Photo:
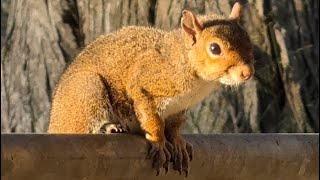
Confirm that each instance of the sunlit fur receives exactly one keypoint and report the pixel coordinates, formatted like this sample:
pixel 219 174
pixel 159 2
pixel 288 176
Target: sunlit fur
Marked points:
pixel 236 48
pixel 145 78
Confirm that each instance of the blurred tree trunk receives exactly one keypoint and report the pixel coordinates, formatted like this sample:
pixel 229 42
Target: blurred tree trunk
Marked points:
pixel 42 37
pixel 4 17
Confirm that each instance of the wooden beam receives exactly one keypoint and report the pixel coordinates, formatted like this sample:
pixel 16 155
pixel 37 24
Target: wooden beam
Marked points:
pixel 122 156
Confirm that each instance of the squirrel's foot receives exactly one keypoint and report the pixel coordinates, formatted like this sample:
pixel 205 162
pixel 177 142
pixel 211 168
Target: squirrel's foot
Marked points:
pixel 109 128
pixel 160 154
pixel 182 154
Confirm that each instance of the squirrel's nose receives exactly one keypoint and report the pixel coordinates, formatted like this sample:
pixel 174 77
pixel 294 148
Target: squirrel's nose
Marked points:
pixel 246 73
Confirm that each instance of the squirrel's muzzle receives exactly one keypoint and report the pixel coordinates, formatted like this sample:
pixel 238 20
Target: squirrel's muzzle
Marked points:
pixel 245 72
pixel 237 74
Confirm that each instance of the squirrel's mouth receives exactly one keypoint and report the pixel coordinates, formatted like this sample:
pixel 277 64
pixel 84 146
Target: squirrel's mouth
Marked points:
pixel 237 75
pixel 229 81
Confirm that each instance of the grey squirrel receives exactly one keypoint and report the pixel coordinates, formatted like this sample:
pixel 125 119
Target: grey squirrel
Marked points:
pixel 141 80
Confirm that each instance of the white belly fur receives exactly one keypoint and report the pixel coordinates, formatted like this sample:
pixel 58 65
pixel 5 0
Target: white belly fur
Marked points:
pixel 194 96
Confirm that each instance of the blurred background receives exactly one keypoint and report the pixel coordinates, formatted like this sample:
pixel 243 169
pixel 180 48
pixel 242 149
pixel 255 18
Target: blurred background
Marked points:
pixel 40 38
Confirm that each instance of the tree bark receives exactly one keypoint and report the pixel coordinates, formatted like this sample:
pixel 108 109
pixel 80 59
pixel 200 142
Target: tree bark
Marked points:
pixel 39 43
pixel 42 37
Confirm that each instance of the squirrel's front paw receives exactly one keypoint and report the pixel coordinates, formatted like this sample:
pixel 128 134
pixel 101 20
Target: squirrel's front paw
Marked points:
pixel 160 154
pixel 182 154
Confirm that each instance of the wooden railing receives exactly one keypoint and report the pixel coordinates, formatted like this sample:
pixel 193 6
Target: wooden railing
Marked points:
pixel 122 156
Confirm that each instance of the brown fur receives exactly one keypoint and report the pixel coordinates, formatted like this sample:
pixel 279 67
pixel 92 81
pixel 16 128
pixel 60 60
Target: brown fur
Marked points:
pixel 143 77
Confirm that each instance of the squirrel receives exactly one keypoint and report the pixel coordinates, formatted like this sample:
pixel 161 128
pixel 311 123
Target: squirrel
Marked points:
pixel 141 80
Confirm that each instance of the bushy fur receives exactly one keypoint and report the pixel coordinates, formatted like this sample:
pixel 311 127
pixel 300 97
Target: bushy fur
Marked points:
pixel 144 78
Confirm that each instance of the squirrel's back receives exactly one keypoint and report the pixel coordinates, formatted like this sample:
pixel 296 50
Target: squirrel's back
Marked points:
pixel 171 70
pixel 118 51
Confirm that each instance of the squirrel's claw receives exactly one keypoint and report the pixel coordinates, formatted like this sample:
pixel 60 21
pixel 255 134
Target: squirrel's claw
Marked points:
pixel 177 159
pixel 186 173
pixel 158 172
pixel 168 156
pixel 160 154
pixel 152 152
pixel 166 167
pixel 189 149
pixel 170 148
pixel 183 153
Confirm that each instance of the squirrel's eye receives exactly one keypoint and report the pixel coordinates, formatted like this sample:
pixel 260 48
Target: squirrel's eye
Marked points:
pixel 215 49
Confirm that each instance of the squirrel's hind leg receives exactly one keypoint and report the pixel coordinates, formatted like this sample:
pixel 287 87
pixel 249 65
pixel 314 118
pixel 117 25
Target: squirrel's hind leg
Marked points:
pixel 109 128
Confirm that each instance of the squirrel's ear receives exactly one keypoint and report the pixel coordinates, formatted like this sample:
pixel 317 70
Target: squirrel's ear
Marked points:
pixel 236 11
pixel 190 24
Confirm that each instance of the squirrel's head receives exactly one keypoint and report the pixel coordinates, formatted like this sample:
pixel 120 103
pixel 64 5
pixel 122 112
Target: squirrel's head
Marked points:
pixel 219 48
